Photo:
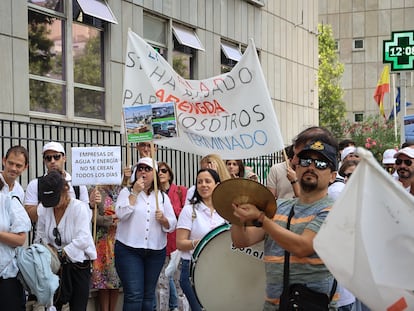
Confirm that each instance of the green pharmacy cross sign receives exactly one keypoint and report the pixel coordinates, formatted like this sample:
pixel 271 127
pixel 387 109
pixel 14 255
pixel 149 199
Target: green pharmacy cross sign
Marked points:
pixel 399 51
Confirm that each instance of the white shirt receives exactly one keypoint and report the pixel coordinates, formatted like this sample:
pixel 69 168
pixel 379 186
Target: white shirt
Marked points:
pixel 17 188
pixel 190 194
pixel 335 189
pixel 74 229
pixel 204 222
pixel 137 226
pixel 13 218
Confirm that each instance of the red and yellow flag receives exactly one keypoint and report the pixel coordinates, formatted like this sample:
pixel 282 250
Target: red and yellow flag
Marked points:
pixel 383 87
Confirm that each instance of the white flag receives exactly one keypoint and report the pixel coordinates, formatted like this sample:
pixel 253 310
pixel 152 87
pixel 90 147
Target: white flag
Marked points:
pixel 367 240
pixel 230 114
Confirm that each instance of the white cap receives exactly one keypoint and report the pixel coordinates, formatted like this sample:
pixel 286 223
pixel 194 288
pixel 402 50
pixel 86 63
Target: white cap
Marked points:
pixel 408 151
pixel 146 161
pixel 54 146
pixel 388 156
pixel 347 151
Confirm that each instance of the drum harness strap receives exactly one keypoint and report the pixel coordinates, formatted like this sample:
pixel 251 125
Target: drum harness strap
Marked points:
pixel 286 264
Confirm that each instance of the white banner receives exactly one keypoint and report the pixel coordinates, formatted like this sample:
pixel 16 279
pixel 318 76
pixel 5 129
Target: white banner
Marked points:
pixel 230 114
pixel 367 240
pixel 96 166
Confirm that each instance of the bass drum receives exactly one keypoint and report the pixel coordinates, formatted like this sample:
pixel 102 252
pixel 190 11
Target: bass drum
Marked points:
pixel 228 278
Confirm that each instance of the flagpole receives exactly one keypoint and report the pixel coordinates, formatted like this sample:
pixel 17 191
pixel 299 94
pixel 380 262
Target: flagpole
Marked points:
pixel 394 107
pixel 403 100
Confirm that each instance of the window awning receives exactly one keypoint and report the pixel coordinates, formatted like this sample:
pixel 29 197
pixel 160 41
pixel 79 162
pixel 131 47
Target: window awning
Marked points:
pixel 187 37
pixel 231 51
pixel 97 8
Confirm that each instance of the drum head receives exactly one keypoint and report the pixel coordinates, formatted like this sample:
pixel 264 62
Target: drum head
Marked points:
pixel 226 278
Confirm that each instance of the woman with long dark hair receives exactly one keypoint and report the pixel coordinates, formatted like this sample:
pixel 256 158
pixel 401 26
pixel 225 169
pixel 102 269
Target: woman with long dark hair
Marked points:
pixel 195 221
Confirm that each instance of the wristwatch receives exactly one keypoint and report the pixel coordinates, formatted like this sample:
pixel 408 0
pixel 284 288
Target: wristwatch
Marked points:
pixel 258 222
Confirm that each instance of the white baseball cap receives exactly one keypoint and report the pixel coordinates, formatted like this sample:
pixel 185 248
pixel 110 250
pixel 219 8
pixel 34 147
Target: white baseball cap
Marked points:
pixel 146 161
pixel 54 146
pixel 388 156
pixel 348 150
pixel 408 151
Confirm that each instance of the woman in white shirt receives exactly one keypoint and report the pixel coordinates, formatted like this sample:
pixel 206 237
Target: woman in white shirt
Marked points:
pixel 195 221
pixel 64 224
pixel 141 236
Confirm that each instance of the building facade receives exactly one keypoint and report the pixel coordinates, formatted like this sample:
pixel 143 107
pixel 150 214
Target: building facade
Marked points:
pixel 360 27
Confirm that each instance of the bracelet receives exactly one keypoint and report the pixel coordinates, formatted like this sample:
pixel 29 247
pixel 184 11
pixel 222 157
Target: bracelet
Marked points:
pixel 293 181
pixel 193 244
pixel 134 194
pixel 258 222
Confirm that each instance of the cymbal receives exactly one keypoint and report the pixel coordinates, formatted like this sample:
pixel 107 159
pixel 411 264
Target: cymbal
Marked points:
pixel 240 190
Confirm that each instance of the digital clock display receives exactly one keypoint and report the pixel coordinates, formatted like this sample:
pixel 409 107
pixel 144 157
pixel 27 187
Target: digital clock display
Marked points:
pixel 399 51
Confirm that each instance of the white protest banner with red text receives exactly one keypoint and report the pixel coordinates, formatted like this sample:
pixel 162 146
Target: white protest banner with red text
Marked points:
pixel 230 114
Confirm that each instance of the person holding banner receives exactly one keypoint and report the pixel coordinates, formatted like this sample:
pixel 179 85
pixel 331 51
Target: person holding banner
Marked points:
pixel 104 275
pixel 195 221
pixel 145 217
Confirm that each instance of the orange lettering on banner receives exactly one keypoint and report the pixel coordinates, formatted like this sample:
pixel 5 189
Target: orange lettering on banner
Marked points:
pixel 205 107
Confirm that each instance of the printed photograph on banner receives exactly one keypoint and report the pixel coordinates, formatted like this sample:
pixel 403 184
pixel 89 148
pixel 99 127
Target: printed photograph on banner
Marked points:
pixel 164 123
pixel 409 128
pixel 138 123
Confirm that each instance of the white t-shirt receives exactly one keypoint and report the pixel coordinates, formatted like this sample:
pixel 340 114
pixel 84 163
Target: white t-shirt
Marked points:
pixel 204 222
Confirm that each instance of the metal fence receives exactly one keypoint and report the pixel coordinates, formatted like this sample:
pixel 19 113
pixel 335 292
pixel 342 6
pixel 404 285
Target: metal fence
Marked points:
pixel 34 135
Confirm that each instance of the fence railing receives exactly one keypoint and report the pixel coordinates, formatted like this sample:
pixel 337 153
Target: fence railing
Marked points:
pixel 34 135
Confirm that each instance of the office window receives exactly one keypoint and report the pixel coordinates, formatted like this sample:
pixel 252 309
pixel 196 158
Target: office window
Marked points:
pixel 66 73
pixel 155 33
pixel 186 43
pixel 358 117
pixel 358 44
pixel 230 56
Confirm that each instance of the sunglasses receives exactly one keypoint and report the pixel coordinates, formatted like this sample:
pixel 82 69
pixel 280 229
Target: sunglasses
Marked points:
pixel 163 170
pixel 56 157
pixel 407 162
pixel 319 164
pixel 144 145
pixel 144 168
pixel 347 175
pixel 56 234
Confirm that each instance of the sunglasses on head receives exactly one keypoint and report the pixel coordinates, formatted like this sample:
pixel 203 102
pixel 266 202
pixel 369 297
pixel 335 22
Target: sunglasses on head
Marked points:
pixel 56 234
pixel 144 168
pixel 56 157
pixel 319 164
pixel 407 162
pixel 163 170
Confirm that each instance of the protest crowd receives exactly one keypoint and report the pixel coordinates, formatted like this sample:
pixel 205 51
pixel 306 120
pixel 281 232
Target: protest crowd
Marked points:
pixel 148 229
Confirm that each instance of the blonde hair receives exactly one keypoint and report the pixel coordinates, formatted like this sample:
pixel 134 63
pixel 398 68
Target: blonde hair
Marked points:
pixel 221 165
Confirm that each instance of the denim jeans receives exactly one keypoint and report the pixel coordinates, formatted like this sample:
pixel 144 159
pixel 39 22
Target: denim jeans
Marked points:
pixel 347 307
pixel 173 301
pixel 187 287
pixel 138 270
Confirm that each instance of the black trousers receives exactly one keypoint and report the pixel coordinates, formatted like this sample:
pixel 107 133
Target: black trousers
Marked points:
pixel 74 286
pixel 12 294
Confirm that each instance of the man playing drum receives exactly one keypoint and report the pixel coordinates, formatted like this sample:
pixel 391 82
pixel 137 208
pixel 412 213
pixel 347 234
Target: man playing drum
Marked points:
pixel 316 168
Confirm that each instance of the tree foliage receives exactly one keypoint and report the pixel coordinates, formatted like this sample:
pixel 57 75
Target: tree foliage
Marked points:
pixel 331 106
